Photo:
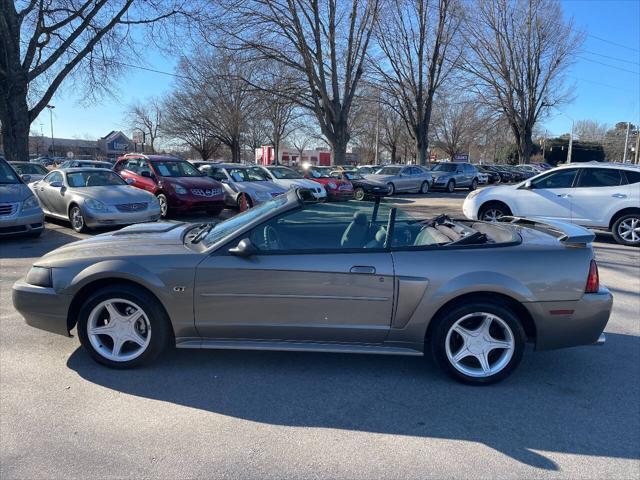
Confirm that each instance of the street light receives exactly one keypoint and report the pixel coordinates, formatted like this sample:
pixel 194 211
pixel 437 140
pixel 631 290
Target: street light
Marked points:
pixel 53 143
pixel 570 151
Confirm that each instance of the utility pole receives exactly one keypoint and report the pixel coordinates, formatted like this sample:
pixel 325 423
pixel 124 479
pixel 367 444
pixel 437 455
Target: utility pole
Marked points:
pixel 637 145
pixel 53 143
pixel 570 144
pixel 626 143
pixel 377 152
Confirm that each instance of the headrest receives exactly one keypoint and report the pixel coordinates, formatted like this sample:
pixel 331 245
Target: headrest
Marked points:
pixel 359 218
pixel 381 235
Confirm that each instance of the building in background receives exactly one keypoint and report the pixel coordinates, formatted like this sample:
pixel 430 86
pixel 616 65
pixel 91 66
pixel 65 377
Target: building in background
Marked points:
pixel 265 155
pixel 111 146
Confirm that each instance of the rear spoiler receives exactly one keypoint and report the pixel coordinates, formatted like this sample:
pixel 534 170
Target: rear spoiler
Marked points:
pixel 567 233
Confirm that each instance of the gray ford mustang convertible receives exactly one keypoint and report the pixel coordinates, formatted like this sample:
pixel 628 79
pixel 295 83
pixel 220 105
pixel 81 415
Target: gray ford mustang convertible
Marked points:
pixel 292 274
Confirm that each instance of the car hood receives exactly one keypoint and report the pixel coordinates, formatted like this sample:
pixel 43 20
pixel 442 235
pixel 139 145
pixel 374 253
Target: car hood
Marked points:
pixel 299 182
pixel 14 192
pixel 141 240
pixel 255 187
pixel 373 177
pixel 114 195
pixel 369 181
pixel 440 174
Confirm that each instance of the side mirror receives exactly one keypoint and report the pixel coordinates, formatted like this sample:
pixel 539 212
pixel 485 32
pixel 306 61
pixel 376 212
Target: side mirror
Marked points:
pixel 527 185
pixel 25 178
pixel 146 174
pixel 245 248
pixel 458 171
pixel 130 181
pixel 56 184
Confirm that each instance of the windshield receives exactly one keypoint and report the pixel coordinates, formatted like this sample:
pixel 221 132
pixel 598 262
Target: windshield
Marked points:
pixel 252 174
pixel 29 169
pixel 283 173
pixel 388 171
pixel 445 167
pixel 173 168
pixel 227 227
pixel 316 173
pixel 353 175
pixel 93 179
pixel 7 175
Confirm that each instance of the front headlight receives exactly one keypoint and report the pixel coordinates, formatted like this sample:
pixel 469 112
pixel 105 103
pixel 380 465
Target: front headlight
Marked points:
pixel 29 203
pixel 40 277
pixel 332 186
pixel 474 193
pixel 94 204
pixel 180 190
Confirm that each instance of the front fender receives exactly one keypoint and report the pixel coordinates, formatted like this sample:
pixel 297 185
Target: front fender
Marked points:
pixel 115 269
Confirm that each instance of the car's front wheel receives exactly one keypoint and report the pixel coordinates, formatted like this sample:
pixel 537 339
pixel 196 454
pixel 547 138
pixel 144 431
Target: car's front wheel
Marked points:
pixel 391 188
pixel 626 230
pixel 478 343
pixel 123 326
pixel 359 193
pixel 77 219
pixel 492 212
pixel 424 188
pixel 451 186
pixel 474 184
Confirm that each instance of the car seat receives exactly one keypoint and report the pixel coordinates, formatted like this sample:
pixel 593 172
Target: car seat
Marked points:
pixel 356 233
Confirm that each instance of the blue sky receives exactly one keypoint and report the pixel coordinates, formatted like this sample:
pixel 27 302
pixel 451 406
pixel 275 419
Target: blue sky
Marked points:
pixel 605 78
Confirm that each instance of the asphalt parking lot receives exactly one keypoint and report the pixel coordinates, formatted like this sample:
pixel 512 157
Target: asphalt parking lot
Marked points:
pixel 571 413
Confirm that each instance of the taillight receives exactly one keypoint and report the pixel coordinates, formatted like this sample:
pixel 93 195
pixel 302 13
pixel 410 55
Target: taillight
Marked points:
pixel 593 279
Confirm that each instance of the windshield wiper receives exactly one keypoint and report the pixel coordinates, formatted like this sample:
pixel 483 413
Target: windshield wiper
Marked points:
pixel 205 228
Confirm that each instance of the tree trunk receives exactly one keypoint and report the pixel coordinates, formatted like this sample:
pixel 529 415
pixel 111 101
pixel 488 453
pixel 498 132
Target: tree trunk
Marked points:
pixel 394 150
pixel 339 152
pixel 525 146
pixel 235 150
pixel 14 115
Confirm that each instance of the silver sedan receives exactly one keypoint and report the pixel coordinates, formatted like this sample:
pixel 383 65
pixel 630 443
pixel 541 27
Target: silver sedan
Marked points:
pixel 94 197
pixel 403 178
pixel 245 186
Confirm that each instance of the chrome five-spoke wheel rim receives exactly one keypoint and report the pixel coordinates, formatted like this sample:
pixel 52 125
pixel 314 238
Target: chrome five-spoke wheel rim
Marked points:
pixel 479 344
pixel 77 222
pixel 118 330
pixel 492 215
pixel 163 205
pixel 629 229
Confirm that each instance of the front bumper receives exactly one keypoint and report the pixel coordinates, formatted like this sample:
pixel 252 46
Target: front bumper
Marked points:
pixel 104 219
pixel 339 195
pixel 41 307
pixel 569 324
pixel 197 203
pixel 22 223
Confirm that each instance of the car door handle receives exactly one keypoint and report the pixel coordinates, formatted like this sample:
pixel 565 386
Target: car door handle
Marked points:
pixel 564 195
pixel 619 195
pixel 363 269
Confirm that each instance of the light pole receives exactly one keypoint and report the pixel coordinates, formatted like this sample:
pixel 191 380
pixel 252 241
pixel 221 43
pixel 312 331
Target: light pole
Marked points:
pixel 53 144
pixel 570 151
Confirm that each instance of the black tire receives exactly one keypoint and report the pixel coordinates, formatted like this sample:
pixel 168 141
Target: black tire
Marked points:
pixel 488 210
pixel 359 193
pixel 624 229
pixel 77 219
pixel 474 185
pixel 244 202
pixel 164 205
pixel 161 332
pixel 451 186
pixel 424 188
pixel 392 188
pixel 445 322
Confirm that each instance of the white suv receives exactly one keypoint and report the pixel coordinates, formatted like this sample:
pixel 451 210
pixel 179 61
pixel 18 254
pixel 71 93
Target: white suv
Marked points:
pixel 598 195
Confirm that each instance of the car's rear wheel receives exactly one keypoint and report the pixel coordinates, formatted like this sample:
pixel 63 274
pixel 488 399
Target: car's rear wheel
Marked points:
pixel 123 327
pixel 244 202
pixel 474 184
pixel 478 343
pixel 451 186
pixel 626 230
pixel 359 193
pixel 77 219
pixel 164 205
pixel 391 188
pixel 492 212
pixel 424 188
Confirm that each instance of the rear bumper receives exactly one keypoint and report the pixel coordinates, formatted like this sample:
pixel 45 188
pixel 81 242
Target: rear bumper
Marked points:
pixel 41 307
pixel 569 324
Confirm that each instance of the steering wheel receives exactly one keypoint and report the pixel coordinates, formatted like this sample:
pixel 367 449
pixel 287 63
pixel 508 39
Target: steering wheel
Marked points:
pixel 271 238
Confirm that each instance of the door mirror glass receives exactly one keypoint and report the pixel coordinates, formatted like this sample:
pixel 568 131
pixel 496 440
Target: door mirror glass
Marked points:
pixel 245 248
pixel 56 184
pixel 146 174
pixel 130 181
pixel 25 178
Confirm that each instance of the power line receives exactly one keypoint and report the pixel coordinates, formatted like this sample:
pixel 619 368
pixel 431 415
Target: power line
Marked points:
pixel 613 43
pixel 602 84
pixel 632 62
pixel 610 66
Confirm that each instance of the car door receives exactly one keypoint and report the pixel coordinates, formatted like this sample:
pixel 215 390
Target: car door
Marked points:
pixel 599 193
pixel 405 179
pixel 548 196
pixel 47 193
pixel 319 291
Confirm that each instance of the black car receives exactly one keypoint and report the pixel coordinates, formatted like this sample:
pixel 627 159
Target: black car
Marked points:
pixel 362 188
pixel 494 177
pixel 505 175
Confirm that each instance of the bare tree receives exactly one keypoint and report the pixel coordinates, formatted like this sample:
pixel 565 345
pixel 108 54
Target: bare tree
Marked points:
pixel 456 124
pixel 256 132
pixel 417 40
pixel 324 43
pixel 394 133
pixel 590 130
pixel 42 42
pixel 146 117
pixel 182 122
pixel 520 50
pixel 278 110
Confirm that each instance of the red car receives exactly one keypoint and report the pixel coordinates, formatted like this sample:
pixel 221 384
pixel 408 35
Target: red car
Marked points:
pixel 337 189
pixel 178 185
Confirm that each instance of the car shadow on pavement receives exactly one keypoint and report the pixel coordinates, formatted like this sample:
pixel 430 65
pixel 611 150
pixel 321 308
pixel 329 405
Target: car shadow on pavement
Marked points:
pixel 25 247
pixel 577 401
